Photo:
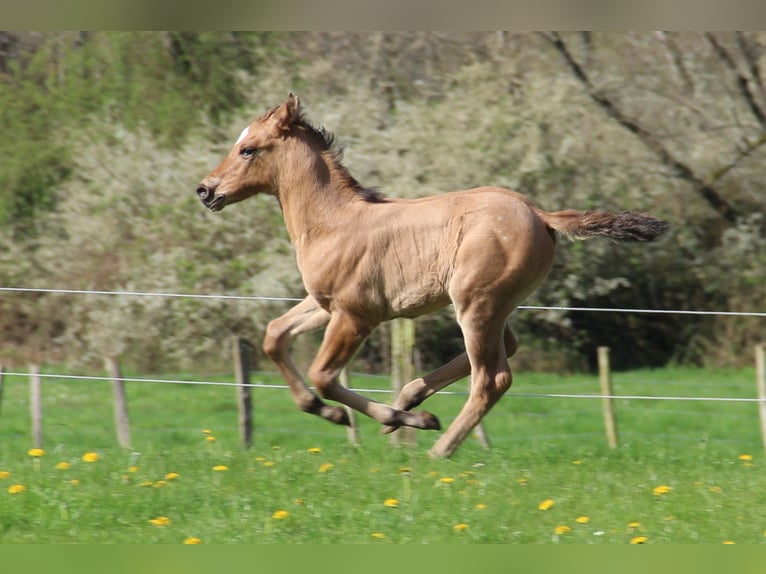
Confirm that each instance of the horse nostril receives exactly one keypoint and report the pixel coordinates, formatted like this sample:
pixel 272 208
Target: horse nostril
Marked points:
pixel 204 192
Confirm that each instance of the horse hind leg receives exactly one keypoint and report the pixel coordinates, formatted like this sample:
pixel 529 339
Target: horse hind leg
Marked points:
pixel 418 390
pixel 486 346
pixel 304 317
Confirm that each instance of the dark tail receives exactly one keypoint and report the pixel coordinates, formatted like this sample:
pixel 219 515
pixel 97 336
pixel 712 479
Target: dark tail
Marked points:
pixel 625 226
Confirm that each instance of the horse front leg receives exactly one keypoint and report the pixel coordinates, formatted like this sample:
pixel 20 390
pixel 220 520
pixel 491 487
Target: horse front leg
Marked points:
pixel 304 317
pixel 342 339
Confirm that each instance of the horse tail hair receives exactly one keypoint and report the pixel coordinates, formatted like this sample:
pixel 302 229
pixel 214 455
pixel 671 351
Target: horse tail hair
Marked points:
pixel 624 226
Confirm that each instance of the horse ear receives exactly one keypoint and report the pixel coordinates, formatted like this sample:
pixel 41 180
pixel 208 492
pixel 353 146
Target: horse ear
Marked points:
pixel 288 112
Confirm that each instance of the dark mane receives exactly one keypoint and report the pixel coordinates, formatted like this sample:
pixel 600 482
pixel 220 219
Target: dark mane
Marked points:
pixel 326 141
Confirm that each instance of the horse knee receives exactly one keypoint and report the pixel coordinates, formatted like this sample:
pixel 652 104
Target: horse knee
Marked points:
pixel 273 341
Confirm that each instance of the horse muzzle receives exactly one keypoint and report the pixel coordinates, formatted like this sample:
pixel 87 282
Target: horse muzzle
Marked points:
pixel 209 198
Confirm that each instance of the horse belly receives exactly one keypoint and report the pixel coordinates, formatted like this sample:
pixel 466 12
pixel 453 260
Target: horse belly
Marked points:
pixel 419 283
pixel 416 302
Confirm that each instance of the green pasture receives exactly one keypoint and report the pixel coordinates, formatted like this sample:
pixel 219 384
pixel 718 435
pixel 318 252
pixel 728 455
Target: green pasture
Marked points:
pixel 685 471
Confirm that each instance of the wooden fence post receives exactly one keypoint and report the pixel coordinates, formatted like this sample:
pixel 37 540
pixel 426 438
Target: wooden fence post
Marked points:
pixel 36 405
pixel 402 369
pixel 760 379
pixel 121 419
pixel 353 429
pixel 244 399
pixel 605 378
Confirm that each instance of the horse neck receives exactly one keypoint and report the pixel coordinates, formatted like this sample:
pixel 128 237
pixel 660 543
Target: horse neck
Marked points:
pixel 314 192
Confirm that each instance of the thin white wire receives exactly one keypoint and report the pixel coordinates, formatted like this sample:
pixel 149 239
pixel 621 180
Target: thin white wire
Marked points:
pixel 270 298
pixel 520 395
pixel 145 294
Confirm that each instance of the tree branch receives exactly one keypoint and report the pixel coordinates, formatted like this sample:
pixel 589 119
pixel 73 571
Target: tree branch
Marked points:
pixel 742 81
pixel 751 57
pixel 680 169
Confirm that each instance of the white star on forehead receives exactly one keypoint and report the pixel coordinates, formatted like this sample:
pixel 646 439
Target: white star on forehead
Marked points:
pixel 243 135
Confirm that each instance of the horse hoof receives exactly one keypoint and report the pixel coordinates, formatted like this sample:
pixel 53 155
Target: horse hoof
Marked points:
pixel 422 420
pixel 430 421
pixel 334 414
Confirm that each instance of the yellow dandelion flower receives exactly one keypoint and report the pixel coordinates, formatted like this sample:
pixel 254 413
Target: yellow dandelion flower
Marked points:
pixel 207 431
pixel 582 520
pixel 16 488
pixel 63 465
pixel 4 474
pixel 562 529
pixel 405 470
pixel 639 540
pixel 160 483
pixel 269 463
pixel 146 483
pixel 90 457
pixel 577 462
pixel 74 482
pixel 378 535
pixel 280 515
pixel 220 468
pixel 522 481
pixel 192 540
pixel 746 457
pixel 172 476
pixel 315 450
pixel 715 488
pixel 160 521
pixel 662 489
pixel 210 438
pixel 728 542
pixel 447 479
pixel 546 504
pixel 260 458
pixel 36 452
pixel 481 506
pixel 326 466
pixel 391 502
pixel 634 524
pixel 460 527
pixel 132 469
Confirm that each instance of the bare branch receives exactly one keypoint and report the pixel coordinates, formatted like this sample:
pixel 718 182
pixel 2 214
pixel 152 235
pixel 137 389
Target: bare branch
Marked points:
pixel 676 56
pixel 680 169
pixel 751 57
pixel 742 81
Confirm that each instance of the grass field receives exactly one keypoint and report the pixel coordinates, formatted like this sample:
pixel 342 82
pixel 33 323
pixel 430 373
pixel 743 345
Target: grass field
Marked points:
pixel 685 472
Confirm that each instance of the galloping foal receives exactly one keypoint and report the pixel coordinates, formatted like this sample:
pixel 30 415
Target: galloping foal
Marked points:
pixel 366 259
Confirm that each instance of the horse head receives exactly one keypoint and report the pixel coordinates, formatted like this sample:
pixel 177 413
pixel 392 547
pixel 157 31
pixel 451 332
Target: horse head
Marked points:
pixel 252 164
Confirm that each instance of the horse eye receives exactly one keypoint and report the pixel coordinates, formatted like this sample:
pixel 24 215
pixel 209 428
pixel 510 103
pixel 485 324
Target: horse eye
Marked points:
pixel 248 151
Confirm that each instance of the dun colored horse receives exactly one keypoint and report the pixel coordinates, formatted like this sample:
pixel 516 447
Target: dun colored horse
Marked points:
pixel 365 259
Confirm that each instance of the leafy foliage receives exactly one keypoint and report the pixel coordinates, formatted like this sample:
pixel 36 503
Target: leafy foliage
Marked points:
pixel 108 133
